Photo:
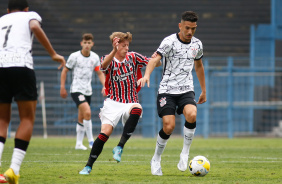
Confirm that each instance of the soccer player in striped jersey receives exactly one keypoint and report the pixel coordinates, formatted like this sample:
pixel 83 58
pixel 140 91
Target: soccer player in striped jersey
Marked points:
pixel 82 63
pixel 122 69
pixel 181 51
pixel 17 77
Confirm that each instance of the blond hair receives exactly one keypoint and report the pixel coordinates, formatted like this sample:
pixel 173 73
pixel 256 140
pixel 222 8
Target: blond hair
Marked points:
pixel 122 36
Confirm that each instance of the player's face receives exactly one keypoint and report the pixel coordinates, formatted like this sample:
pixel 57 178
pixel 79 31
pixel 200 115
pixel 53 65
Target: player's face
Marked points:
pixel 187 30
pixel 86 45
pixel 123 48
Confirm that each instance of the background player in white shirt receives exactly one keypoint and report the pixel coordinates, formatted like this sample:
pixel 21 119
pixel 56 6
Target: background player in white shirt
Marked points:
pixel 82 63
pixel 17 78
pixel 181 51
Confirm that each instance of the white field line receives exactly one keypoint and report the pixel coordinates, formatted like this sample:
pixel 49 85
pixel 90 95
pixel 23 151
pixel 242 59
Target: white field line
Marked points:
pixel 163 161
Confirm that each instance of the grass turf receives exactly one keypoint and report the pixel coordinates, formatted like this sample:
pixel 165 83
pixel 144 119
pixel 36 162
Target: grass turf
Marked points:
pixel 237 161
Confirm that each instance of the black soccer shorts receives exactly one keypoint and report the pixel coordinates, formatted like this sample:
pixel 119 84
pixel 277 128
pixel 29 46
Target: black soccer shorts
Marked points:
pixel 18 83
pixel 80 98
pixel 167 103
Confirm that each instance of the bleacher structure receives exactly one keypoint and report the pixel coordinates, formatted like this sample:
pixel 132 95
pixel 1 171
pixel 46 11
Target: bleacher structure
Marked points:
pixel 235 103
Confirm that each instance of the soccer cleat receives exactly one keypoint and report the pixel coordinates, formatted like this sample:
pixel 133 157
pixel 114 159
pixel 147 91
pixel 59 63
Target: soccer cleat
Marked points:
pixel 10 176
pixel 80 147
pixel 117 151
pixel 91 144
pixel 156 168
pixel 2 179
pixel 86 170
pixel 183 162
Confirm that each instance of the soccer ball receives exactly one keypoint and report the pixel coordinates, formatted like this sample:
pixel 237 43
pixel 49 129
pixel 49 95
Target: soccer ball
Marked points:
pixel 199 166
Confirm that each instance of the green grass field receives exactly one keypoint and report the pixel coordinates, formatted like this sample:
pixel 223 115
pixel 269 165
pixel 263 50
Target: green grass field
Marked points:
pixel 238 161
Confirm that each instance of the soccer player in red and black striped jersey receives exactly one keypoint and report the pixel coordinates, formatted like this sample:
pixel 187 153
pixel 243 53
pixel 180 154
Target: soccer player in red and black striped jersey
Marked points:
pixel 122 70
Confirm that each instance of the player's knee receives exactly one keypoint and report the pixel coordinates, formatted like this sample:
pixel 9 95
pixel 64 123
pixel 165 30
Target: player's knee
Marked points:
pixel 137 106
pixel 168 129
pixel 87 115
pixel 191 116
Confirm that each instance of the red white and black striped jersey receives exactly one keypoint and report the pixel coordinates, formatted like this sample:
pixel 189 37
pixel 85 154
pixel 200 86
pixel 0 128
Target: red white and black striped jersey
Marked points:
pixel 121 77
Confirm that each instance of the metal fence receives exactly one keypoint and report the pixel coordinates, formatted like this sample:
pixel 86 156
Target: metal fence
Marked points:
pixel 242 101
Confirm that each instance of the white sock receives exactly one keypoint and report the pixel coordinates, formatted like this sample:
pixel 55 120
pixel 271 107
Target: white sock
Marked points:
pixel 1 151
pixel 88 129
pixel 17 159
pixel 79 134
pixel 160 146
pixel 188 138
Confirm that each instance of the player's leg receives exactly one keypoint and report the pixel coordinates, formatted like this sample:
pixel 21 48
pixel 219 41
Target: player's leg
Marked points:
pixel 131 118
pixel 5 106
pixel 5 116
pixel 80 131
pixel 84 117
pixel 162 138
pixel 84 108
pixel 22 138
pixel 166 109
pixel 190 114
pixel 97 147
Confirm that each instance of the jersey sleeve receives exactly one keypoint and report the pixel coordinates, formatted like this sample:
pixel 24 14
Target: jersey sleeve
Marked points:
pixel 35 16
pixel 165 47
pixel 71 62
pixel 200 53
pixel 141 60
pixel 97 61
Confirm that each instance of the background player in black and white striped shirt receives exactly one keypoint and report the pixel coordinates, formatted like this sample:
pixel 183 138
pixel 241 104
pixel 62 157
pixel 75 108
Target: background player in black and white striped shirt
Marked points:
pixel 17 77
pixel 180 52
pixel 82 63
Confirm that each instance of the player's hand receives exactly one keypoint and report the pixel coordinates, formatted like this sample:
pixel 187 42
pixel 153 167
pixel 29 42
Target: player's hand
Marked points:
pixel 63 93
pixel 154 55
pixel 103 91
pixel 141 82
pixel 60 59
pixel 115 43
pixel 202 98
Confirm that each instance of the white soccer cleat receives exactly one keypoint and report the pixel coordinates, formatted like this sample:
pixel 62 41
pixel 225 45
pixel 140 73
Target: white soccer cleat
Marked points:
pixel 80 147
pixel 183 162
pixel 156 168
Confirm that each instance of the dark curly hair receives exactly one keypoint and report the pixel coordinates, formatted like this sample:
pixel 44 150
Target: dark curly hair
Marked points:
pixel 189 16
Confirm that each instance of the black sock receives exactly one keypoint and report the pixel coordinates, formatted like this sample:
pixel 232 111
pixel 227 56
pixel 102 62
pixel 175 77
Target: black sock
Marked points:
pixel 163 135
pixel 2 139
pixel 97 148
pixel 21 144
pixel 190 125
pixel 130 125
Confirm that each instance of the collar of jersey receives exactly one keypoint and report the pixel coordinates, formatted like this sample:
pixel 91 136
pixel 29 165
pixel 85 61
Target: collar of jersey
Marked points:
pixel 116 60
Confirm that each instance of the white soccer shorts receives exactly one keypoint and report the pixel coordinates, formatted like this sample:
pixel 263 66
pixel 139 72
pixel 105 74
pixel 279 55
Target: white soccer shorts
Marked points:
pixel 113 111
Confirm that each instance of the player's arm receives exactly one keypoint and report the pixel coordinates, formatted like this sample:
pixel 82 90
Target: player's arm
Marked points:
pixel 199 68
pixel 40 35
pixel 101 76
pixel 63 91
pixel 108 59
pixel 154 62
